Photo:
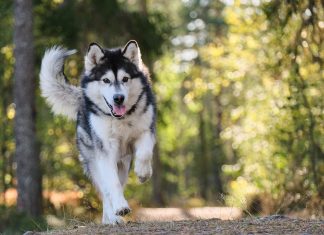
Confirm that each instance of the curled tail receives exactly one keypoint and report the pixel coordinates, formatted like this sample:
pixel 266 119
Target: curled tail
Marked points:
pixel 63 97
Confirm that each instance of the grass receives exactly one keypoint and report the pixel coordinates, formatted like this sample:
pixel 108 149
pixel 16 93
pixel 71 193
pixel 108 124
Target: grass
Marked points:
pixel 13 222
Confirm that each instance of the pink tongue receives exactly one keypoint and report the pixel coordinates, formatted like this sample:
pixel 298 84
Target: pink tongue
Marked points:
pixel 119 110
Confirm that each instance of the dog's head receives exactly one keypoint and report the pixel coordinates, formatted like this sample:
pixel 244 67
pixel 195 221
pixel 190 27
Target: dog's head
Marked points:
pixel 113 77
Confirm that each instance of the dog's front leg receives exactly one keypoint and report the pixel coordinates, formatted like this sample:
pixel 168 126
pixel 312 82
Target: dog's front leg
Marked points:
pixel 108 215
pixel 106 177
pixel 143 156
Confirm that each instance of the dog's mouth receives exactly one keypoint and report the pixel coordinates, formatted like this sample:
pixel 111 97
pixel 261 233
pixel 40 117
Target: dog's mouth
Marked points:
pixel 117 111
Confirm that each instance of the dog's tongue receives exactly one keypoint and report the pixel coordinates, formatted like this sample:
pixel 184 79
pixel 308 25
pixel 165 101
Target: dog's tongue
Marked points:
pixel 119 110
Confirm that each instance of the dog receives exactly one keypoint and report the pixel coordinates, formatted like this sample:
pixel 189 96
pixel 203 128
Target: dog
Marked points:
pixel 115 110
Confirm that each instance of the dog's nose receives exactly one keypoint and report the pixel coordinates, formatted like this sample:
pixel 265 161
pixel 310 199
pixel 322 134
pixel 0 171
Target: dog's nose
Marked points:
pixel 118 99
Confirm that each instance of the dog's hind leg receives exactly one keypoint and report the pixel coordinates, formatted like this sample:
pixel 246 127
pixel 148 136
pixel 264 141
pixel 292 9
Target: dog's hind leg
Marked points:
pixel 123 169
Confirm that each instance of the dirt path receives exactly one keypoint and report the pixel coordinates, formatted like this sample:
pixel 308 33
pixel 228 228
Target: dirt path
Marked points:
pixel 266 225
pixel 177 214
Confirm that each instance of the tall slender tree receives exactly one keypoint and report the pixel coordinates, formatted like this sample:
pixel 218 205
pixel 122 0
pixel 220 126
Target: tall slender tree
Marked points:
pixel 27 153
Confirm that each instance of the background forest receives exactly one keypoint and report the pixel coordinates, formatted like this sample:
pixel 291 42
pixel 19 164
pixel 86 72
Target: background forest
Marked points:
pixel 239 88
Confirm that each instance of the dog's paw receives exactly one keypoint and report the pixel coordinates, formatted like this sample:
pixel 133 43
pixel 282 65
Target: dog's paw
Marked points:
pixel 123 211
pixel 120 206
pixel 143 170
pixel 112 219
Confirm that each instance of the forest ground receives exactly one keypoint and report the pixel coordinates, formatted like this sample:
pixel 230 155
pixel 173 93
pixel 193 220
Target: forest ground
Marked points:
pixel 265 225
pixel 199 221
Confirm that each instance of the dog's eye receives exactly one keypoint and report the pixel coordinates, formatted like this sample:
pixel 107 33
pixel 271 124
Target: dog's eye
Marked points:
pixel 125 79
pixel 106 80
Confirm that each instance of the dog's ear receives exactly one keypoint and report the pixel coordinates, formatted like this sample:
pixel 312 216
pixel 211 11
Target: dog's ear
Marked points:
pixel 133 53
pixel 94 54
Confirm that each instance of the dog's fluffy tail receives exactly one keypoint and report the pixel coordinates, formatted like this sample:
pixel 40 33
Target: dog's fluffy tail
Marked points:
pixel 63 97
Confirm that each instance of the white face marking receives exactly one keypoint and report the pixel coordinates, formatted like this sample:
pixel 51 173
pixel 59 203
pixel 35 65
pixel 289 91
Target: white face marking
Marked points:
pixel 102 92
pixel 112 87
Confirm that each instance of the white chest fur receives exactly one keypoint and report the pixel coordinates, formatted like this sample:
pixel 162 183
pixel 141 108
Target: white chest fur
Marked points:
pixel 112 131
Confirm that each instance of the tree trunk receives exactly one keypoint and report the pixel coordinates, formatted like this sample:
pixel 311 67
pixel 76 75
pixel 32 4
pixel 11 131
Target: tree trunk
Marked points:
pixel 27 154
pixel 203 163
pixel 143 7
pixel 218 154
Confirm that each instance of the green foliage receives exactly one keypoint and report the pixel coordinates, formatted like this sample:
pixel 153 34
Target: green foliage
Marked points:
pixel 254 105
pixel 280 128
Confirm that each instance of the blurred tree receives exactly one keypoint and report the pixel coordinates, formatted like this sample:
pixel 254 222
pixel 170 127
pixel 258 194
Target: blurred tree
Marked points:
pixel 29 184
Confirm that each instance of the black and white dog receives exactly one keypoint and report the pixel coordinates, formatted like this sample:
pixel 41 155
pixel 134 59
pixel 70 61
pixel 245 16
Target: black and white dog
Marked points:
pixel 115 112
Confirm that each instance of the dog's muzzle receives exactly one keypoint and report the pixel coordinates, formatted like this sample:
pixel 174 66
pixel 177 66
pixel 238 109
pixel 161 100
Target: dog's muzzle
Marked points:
pixel 117 110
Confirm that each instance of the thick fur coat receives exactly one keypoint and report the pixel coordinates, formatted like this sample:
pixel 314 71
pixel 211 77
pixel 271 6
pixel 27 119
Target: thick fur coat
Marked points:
pixel 115 111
